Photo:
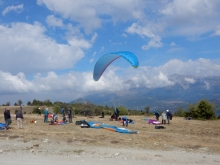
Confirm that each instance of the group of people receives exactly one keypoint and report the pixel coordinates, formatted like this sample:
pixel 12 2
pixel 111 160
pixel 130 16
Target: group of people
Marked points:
pixel 166 116
pixel 19 118
pixel 55 116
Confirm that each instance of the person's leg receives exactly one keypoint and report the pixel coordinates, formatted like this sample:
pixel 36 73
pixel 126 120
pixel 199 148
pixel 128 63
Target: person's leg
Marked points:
pixel 18 124
pixel 21 123
pixel 6 123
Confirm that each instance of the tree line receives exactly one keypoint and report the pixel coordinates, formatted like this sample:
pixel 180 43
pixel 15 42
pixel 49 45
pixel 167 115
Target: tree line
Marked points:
pixel 203 110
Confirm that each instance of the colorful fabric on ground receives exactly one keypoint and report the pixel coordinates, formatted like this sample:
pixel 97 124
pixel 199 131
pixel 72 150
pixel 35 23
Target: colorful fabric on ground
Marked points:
pixel 2 126
pixel 99 125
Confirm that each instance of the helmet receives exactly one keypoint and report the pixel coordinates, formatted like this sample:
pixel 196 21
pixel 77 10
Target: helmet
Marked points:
pixel 167 110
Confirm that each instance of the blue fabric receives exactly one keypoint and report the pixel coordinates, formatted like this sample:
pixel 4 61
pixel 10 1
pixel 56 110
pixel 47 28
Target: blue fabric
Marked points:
pixel 2 126
pixel 107 59
pixel 102 125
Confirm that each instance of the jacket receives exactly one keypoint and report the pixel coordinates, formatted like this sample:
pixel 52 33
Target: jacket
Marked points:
pixel 19 115
pixel 7 115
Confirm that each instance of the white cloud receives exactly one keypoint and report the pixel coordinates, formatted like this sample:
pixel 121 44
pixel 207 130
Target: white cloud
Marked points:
pixel 207 85
pixel 124 35
pixel 188 17
pixel 25 48
pixel 173 44
pixel 17 9
pixel 91 14
pixel 94 38
pixel 75 84
pixel 190 80
pixel 217 31
pixel 155 40
pixel 54 22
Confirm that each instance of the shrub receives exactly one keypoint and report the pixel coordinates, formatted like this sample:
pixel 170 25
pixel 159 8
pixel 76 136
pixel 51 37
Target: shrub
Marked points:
pixel 203 110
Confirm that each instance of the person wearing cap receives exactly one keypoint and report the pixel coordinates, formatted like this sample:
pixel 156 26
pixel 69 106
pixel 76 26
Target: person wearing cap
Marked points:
pixel 169 116
pixel 39 112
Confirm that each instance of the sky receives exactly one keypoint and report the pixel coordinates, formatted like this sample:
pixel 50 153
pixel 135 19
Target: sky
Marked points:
pixel 48 48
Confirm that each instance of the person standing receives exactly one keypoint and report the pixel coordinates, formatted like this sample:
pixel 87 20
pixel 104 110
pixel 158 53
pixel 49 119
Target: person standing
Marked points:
pixel 7 117
pixel 84 113
pixel 19 118
pixel 169 116
pixel 39 112
pixel 63 112
pixel 46 113
pixel 69 112
pixel 164 118
pixel 4 114
pixel 157 115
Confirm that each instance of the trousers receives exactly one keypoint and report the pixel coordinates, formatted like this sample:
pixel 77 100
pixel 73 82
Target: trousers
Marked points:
pixel 20 122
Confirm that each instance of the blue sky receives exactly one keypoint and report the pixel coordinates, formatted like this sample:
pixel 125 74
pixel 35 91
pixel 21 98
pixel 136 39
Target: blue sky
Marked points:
pixel 49 47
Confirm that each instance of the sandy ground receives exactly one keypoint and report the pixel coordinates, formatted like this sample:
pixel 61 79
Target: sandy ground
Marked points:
pixel 182 142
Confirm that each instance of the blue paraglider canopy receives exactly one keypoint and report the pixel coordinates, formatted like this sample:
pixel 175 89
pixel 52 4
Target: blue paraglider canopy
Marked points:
pixel 107 59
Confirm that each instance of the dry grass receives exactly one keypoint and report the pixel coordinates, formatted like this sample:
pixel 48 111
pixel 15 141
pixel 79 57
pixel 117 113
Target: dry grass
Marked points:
pixel 184 134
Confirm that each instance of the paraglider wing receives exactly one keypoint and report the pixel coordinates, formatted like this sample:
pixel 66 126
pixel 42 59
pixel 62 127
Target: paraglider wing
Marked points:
pixel 107 59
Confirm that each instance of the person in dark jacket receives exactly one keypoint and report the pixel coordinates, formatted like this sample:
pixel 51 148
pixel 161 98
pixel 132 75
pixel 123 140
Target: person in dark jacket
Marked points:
pixel 63 112
pixel 116 114
pixel 7 117
pixel 69 112
pixel 125 121
pixel 19 118
pixel 169 116
pixel 157 115
pixel 39 112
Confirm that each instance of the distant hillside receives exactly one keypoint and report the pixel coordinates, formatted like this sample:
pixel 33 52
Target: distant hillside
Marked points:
pixel 187 90
pixel 80 100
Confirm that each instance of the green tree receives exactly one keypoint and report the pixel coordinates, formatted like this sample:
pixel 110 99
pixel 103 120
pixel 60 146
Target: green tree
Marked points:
pixel 20 102
pixel 122 110
pixel 179 112
pixel 147 109
pixel 28 103
pixel 203 110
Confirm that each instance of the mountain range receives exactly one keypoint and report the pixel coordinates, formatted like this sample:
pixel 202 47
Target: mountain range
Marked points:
pixel 186 89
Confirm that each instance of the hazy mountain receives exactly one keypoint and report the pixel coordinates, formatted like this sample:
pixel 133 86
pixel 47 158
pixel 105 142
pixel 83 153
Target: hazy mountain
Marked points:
pixel 80 100
pixel 186 90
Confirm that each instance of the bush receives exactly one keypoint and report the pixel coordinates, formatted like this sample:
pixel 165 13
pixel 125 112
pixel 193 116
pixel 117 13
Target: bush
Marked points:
pixel 122 111
pixel 203 110
pixel 16 111
pixel 35 111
